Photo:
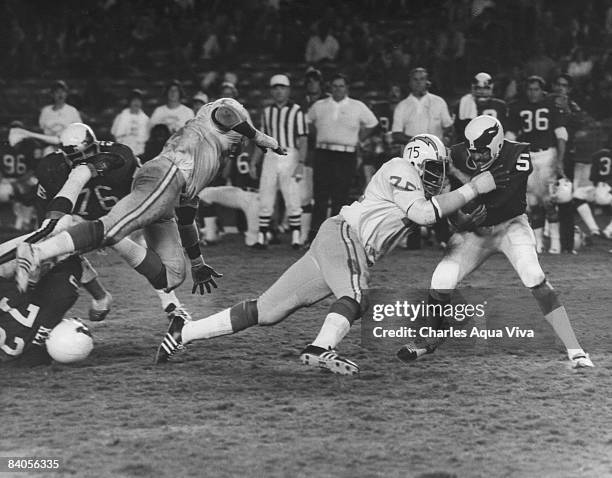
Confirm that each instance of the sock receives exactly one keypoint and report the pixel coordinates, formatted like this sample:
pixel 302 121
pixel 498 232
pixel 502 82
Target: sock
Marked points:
pixel 212 326
pixel 555 236
pixel 96 290
pixel 153 269
pixel 55 246
pixel 587 217
pixel 210 228
pixel 333 331
pixel 560 323
pixel 103 303
pixel 306 221
pixel 167 298
pixel 539 237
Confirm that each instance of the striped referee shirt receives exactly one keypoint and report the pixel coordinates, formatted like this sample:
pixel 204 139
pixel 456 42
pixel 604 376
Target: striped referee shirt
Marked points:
pixel 284 124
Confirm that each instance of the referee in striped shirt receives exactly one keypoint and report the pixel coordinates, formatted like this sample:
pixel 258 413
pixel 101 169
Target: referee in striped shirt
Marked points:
pixel 284 121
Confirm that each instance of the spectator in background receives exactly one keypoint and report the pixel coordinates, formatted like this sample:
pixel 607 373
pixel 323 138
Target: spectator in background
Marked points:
pixel 580 66
pixel 199 100
pixel 154 145
pixel 314 92
pixel 228 90
pixel 130 127
pixel 339 124
pixel 54 118
pixel 421 112
pixel 173 114
pixel 321 46
pixel 540 64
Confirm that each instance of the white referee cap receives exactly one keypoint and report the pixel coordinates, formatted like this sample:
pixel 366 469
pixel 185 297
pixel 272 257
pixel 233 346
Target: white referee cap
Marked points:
pixel 282 80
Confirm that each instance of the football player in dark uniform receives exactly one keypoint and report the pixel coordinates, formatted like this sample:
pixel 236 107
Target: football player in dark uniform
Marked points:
pixel 479 101
pixel 496 222
pixel 539 121
pixel 27 318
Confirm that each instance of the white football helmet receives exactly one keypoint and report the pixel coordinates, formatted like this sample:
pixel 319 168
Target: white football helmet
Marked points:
pixel 562 191
pixel 78 142
pixel 603 196
pixel 427 153
pixel 481 134
pixel 482 86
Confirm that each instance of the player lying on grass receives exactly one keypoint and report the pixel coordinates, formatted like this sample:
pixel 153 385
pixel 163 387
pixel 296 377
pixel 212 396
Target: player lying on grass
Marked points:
pixel 27 318
pixel 495 222
pixel 404 193
pixel 189 161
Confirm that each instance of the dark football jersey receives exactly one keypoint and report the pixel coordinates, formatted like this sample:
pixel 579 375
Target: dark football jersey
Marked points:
pixel 21 159
pixel 601 167
pixel 502 204
pixel 487 106
pixel 239 172
pixel 535 123
pixel 23 315
pixel 99 195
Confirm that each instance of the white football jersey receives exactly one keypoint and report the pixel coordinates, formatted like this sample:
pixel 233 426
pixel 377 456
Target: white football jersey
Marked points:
pixel 197 148
pixel 379 217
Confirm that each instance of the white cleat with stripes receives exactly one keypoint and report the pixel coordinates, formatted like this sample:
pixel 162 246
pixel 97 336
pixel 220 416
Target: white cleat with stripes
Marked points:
pixel 28 263
pixel 329 359
pixel 173 340
pixel 581 360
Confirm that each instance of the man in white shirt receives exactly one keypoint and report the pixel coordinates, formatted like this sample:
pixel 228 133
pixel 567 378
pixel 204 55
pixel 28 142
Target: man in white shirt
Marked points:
pixel 54 118
pixel 130 127
pixel 421 112
pixel 339 124
pixel 321 46
pixel 173 114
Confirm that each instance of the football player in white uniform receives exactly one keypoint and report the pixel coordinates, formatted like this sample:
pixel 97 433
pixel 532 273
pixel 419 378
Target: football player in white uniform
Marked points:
pixel 404 193
pixel 189 161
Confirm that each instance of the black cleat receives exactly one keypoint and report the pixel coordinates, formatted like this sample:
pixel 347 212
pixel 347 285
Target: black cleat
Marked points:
pixel 411 352
pixel 329 359
pixel 173 340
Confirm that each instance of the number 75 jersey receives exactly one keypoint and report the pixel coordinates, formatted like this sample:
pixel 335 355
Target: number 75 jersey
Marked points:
pixel 99 195
pixel 379 217
pixel 501 204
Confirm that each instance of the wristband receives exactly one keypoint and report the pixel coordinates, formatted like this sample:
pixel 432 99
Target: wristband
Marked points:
pixel 197 261
pixel 468 191
pixel 193 251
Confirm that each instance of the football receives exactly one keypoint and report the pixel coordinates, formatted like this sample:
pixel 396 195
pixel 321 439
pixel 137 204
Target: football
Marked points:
pixel 471 206
pixel 70 341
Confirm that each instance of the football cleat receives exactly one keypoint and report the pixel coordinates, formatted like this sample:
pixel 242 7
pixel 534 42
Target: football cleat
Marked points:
pixel 172 310
pixel 27 264
pixel 411 352
pixel 173 340
pixel 100 308
pixel 328 359
pixel 581 360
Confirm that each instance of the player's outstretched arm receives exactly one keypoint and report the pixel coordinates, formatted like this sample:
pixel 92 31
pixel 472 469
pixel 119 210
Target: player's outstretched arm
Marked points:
pixel 427 212
pixel 203 275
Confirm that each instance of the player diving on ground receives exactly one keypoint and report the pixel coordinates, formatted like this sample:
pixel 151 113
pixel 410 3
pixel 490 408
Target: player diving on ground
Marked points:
pixel 403 194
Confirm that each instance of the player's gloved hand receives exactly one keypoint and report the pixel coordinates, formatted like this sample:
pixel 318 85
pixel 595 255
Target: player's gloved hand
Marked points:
pixel 264 142
pixel 203 276
pixel 464 221
pixel 99 164
pixel 497 178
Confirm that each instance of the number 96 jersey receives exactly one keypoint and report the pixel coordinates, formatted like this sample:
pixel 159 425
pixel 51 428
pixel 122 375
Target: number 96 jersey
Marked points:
pixel 99 195
pixel 501 204
pixel 379 217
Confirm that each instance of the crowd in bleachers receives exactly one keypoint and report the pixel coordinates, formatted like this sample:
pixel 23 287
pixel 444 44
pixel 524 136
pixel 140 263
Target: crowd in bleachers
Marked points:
pixel 106 48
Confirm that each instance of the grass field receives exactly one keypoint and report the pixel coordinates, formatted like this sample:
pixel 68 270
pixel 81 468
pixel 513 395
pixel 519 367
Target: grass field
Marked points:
pixel 244 405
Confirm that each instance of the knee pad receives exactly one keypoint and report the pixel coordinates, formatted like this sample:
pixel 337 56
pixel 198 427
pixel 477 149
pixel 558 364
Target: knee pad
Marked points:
pixel 88 235
pixel 537 217
pixel 546 297
pixel 349 308
pixel 445 276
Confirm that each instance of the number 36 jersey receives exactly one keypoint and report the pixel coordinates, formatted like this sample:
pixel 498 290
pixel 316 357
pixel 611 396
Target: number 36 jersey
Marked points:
pixel 379 217
pixel 601 167
pixel 99 195
pixel 501 204
pixel 535 123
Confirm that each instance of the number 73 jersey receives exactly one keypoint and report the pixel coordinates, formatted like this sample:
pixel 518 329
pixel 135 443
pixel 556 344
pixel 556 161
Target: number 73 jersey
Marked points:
pixel 99 195
pixel 379 217
pixel 501 204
